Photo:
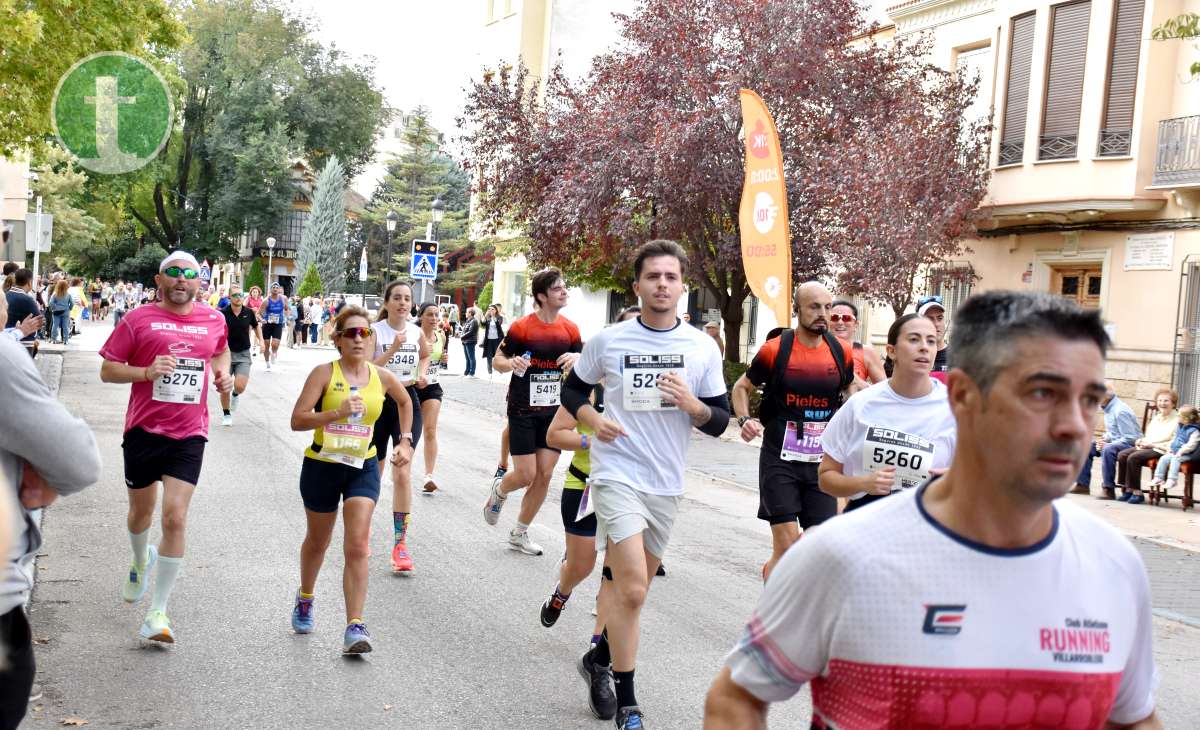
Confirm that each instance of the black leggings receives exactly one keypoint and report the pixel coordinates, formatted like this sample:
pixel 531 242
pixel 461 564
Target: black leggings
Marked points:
pixel 16 678
pixel 388 424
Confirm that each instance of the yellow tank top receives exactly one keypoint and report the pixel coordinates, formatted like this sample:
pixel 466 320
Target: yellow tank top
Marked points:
pixel 349 443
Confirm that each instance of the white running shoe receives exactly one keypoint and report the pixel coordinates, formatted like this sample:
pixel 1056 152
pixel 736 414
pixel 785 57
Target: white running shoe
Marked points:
pixel 227 419
pixel 268 365
pixel 520 541
pixel 157 627
pixel 495 503
pixel 233 401
pixel 135 586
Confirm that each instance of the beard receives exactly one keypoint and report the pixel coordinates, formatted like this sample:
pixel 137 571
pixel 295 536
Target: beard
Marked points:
pixel 178 296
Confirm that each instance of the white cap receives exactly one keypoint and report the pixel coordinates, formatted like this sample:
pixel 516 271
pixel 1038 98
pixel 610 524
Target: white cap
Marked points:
pixel 179 256
pixel 928 306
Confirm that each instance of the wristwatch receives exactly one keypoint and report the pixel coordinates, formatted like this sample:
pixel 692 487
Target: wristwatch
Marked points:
pixel 742 420
pixel 407 435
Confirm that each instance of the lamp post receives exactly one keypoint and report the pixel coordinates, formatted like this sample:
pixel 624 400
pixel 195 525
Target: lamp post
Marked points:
pixel 391 219
pixel 270 263
pixel 436 211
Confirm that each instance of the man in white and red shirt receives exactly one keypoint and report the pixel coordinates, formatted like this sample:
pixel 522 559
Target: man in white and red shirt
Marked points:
pixel 166 350
pixel 980 599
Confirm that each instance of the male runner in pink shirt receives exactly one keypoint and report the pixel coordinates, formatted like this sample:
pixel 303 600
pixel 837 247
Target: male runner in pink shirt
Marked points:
pixel 166 351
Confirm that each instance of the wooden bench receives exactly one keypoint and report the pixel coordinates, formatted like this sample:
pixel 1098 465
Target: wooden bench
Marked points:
pixel 1187 470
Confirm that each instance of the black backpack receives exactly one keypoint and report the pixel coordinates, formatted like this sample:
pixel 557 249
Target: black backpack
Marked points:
pixel 770 409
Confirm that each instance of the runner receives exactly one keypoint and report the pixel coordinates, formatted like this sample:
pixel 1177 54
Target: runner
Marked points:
pixel 980 599
pixel 429 390
pixel 797 403
pixel 341 402
pixel 399 349
pixel 650 368
pixel 95 289
pixel 239 322
pixel 896 434
pixel 273 314
pixel 843 321
pixel 166 350
pixel 933 308
pixel 536 349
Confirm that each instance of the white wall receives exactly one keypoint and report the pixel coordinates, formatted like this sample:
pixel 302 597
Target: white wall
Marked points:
pixel 588 309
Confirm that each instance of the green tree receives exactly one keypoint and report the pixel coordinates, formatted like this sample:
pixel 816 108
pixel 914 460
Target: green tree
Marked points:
pixel 41 39
pixel 324 241
pixel 143 266
pixel 484 300
pixel 1183 27
pixel 61 186
pixel 312 282
pixel 255 277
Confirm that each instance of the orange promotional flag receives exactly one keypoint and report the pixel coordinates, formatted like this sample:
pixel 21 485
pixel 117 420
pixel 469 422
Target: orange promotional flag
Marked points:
pixel 763 219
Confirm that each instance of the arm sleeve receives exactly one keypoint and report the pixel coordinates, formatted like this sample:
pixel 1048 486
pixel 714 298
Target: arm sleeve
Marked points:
pixel 715 426
pixel 58 445
pixel 1135 695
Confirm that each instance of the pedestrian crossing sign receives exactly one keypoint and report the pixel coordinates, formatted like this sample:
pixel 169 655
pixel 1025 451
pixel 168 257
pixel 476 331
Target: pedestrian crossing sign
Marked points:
pixel 424 263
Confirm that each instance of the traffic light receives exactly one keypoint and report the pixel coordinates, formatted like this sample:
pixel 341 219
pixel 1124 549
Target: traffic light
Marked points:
pixel 427 247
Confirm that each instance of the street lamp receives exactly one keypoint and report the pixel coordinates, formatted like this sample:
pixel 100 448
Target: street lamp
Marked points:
pixel 391 219
pixel 436 211
pixel 270 262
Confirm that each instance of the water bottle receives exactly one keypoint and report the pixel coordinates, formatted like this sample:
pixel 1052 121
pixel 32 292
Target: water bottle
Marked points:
pixel 528 356
pixel 354 417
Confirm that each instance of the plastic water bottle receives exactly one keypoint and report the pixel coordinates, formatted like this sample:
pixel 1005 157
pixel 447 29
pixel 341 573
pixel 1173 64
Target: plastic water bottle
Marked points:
pixel 528 356
pixel 354 417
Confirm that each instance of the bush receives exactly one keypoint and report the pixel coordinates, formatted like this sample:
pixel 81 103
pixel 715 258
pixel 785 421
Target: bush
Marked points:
pixel 312 282
pixel 484 300
pixel 255 277
pixel 733 371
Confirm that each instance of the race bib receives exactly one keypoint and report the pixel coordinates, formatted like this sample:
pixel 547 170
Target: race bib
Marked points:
pixel 404 361
pixel 184 385
pixel 431 373
pixel 273 318
pixel 346 443
pixel 639 381
pixel 545 389
pixel 586 506
pixel 911 455
pixel 802 442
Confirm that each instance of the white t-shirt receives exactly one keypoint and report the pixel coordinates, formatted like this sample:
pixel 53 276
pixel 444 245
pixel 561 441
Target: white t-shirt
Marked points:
pixel 912 625
pixel 877 427
pixel 626 357
pixel 405 360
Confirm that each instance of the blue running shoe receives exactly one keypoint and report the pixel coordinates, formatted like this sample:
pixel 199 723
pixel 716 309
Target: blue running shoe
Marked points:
pixel 629 718
pixel 357 640
pixel 302 615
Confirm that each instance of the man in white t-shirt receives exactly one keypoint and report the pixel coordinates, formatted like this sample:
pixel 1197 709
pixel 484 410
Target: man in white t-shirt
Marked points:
pixel 980 599
pixel 661 379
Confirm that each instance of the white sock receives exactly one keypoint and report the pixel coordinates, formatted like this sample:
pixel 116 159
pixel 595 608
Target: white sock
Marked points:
pixel 521 528
pixel 140 541
pixel 164 582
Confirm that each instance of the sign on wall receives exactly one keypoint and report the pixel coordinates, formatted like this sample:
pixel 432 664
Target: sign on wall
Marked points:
pixel 1149 252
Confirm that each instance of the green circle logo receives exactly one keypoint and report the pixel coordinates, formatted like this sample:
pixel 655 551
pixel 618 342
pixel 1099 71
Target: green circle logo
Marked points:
pixel 113 112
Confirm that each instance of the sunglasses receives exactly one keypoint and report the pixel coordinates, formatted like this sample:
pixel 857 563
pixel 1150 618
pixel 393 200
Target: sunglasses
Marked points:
pixel 176 272
pixel 363 332
pixel 835 318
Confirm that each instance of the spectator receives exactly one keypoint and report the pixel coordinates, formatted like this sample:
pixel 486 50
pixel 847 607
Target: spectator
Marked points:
pixel 313 308
pixel 120 303
pixel 77 306
pixel 61 304
pixel 23 314
pixel 713 330
pixel 1160 432
pixel 1121 430
pixel 38 432
pixel 470 337
pixel 294 320
pixel 1183 449
pixel 493 333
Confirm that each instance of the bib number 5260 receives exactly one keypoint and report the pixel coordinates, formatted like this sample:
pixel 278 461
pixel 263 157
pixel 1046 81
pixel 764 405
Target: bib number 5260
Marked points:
pixel 902 459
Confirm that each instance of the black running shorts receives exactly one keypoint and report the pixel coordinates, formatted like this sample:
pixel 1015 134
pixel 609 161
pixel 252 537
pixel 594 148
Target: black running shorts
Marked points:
pixel 323 484
pixel 570 507
pixel 788 491
pixel 430 392
pixel 388 425
pixel 527 433
pixel 149 457
pixel 272 331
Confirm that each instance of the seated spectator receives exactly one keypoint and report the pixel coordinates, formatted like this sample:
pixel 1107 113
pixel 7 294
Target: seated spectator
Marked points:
pixel 1121 430
pixel 1183 449
pixel 1160 432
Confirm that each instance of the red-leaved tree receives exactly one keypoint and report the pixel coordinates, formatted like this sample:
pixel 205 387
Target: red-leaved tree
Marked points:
pixel 647 145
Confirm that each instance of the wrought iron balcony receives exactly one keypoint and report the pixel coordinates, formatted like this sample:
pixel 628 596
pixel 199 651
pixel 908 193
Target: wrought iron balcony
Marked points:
pixel 1058 147
pixel 1178 159
pixel 1011 153
pixel 1115 142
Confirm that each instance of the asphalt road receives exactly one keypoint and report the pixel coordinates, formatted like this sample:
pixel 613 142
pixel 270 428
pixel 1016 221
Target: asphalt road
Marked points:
pixel 457 646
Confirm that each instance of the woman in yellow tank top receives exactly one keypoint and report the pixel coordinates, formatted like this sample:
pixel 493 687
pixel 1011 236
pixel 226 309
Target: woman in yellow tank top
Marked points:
pixel 340 403
pixel 429 389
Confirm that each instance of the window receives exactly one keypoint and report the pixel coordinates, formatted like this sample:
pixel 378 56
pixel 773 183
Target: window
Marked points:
pixel 952 282
pixel 976 65
pixel 1116 132
pixel 293 228
pixel 1081 286
pixel 1016 96
pixel 1064 81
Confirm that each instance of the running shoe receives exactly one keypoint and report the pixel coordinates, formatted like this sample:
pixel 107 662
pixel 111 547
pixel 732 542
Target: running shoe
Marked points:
pixel 233 401
pixel 401 561
pixel 268 364
pixel 520 541
pixel 629 718
pixel 157 627
pixel 302 615
pixel 429 486
pixel 602 698
pixel 500 472
pixel 552 609
pixel 227 419
pixel 495 503
pixel 357 640
pixel 139 578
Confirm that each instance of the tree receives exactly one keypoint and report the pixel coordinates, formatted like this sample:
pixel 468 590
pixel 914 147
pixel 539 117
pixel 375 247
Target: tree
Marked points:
pixel 484 300
pixel 647 144
pixel 323 243
pixel 311 283
pixel 1182 27
pixel 61 186
pixel 41 39
pixel 143 266
pixel 255 277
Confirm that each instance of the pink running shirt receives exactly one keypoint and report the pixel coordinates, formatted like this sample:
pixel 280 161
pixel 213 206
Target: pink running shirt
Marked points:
pixel 150 331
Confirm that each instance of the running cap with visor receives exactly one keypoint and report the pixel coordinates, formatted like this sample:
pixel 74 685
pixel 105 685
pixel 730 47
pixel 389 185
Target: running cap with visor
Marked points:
pixel 924 304
pixel 179 256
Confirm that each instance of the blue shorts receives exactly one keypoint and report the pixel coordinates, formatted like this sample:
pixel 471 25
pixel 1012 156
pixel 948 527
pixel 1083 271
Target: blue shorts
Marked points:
pixel 323 484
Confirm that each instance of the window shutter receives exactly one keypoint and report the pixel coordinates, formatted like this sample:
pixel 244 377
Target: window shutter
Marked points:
pixel 1016 97
pixel 1116 134
pixel 1064 82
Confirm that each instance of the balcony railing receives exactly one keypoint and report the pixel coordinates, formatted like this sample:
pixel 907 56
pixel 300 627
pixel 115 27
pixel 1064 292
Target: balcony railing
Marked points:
pixel 1115 142
pixel 1058 147
pixel 1178 159
pixel 1011 153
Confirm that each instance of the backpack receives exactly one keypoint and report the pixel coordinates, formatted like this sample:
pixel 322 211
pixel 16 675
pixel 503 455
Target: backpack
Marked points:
pixel 769 409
